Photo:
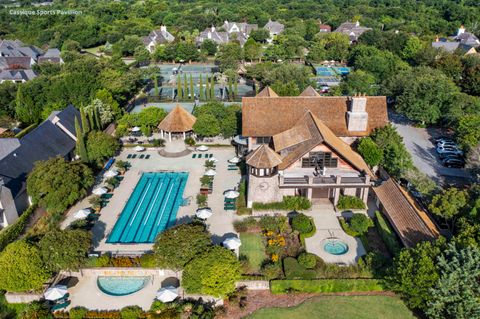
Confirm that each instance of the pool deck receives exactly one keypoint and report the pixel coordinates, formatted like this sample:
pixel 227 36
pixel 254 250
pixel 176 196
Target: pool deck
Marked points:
pixel 220 224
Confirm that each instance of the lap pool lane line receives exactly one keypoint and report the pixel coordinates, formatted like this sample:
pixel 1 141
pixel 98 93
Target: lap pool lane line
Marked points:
pixel 121 224
pixel 156 203
pixel 138 212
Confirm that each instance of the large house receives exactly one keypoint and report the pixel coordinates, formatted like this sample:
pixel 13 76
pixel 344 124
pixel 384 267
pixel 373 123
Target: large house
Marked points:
pixel 300 145
pixel 17 60
pixel 53 137
pixel 352 29
pixel 238 31
pixel 274 28
pixel 463 42
pixel 156 37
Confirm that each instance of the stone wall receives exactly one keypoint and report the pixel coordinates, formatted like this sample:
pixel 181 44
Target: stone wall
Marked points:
pixel 22 297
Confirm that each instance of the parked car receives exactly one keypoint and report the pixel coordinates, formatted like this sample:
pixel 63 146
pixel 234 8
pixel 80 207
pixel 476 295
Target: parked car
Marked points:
pixel 447 144
pixel 443 139
pixel 453 162
pixel 447 149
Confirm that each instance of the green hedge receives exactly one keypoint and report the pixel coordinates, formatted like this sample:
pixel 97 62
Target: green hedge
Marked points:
pixel 325 285
pixel 13 231
pixel 346 228
pixel 25 131
pixel 387 234
pixel 293 269
pixel 288 203
pixel 350 202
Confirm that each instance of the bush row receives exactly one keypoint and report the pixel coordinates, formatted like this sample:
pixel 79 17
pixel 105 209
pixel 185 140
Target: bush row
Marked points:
pixel 26 130
pixel 350 202
pixel 145 261
pixel 325 285
pixel 288 203
pixel 387 234
pixel 13 231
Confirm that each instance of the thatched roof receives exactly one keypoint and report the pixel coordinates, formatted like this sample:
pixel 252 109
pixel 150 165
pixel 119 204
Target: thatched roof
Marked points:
pixel 267 92
pixel 309 91
pixel 309 132
pixel 263 157
pixel 410 222
pixel 178 120
pixel 267 116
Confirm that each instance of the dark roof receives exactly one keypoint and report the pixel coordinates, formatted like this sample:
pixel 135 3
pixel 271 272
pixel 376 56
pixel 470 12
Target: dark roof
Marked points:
pixel 410 223
pixel 267 116
pixel 44 142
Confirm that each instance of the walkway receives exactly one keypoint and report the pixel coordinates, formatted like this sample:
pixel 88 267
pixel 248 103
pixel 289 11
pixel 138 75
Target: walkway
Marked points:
pixel 327 226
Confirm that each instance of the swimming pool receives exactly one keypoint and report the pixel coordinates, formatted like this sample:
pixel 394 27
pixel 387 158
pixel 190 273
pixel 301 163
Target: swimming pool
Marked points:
pixel 151 208
pixel 120 285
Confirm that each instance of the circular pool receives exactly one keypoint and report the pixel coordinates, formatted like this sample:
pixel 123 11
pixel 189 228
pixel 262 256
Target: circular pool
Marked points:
pixel 335 246
pixel 120 285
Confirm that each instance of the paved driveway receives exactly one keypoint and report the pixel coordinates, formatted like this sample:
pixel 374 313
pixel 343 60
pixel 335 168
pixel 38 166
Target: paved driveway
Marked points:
pixel 419 144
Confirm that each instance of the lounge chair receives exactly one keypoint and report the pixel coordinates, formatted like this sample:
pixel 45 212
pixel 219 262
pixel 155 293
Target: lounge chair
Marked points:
pixel 199 155
pixel 106 196
pixel 129 156
pixel 59 306
pixel 134 156
pixel 147 156
pixel 119 178
pixel 230 200
pixel 210 156
pixel 141 156
pixel 194 155
pixel 229 207
pixel 233 168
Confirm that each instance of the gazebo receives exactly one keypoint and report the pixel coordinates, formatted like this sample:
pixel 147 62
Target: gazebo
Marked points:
pixel 178 121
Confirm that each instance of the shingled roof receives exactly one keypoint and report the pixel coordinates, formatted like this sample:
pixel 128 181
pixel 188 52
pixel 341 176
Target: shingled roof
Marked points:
pixel 263 157
pixel 267 92
pixel 267 116
pixel 178 120
pixel 410 223
pixel 309 91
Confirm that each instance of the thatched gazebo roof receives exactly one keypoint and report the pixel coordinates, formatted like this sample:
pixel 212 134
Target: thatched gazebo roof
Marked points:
pixel 178 120
pixel 264 157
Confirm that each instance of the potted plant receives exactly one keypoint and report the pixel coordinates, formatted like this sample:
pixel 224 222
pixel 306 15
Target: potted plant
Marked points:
pixel 112 183
pixel 190 141
pixel 202 200
pixel 96 202
pixel 209 164
pixel 122 166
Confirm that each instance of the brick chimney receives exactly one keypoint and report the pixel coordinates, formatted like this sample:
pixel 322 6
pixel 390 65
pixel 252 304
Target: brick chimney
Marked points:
pixel 357 117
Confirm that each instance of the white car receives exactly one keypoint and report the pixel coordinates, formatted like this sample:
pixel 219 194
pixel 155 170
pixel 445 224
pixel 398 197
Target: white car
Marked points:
pixel 447 144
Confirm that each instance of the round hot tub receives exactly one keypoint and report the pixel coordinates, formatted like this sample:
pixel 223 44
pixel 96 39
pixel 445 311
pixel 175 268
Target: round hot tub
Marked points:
pixel 121 285
pixel 335 246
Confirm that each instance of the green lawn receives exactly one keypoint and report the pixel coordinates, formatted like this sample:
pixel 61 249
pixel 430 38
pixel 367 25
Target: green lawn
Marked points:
pixel 252 247
pixel 357 307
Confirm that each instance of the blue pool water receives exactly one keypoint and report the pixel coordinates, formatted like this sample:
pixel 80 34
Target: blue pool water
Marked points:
pixel 121 286
pixel 335 247
pixel 151 208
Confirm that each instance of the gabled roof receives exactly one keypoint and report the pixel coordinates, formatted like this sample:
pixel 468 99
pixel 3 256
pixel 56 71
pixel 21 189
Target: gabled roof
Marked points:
pixel 309 91
pixel 178 120
pixel 267 116
pixel 159 36
pixel 274 27
pixel 16 75
pixel 310 132
pixel 410 223
pixel 267 92
pixel 214 35
pixel 263 157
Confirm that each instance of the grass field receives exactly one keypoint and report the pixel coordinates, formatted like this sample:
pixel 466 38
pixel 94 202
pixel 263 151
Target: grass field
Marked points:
pixel 357 307
pixel 252 247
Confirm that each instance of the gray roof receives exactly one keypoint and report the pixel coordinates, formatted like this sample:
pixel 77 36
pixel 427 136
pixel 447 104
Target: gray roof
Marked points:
pixel 239 27
pixel 214 35
pixel 274 27
pixel 352 29
pixel 159 36
pixel 7 145
pixel 468 38
pixel 44 142
pixel 14 62
pixel 447 46
pixel 16 75
pixel 16 48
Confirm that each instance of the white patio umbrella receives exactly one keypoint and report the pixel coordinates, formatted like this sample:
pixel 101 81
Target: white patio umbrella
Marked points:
pixel 202 148
pixel 232 243
pixel 111 173
pixel 213 159
pixel 135 129
pixel 167 294
pixel 139 148
pixel 56 292
pixel 210 172
pixel 100 191
pixel 82 213
pixel 234 160
pixel 204 213
pixel 231 194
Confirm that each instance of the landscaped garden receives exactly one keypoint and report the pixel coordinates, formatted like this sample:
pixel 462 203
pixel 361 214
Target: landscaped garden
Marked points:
pixel 341 307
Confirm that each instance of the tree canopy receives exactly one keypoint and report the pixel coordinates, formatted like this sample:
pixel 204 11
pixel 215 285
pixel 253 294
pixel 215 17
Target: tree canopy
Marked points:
pixel 101 146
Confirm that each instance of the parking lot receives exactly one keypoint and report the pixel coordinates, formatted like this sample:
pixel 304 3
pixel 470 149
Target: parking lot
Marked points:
pixel 419 143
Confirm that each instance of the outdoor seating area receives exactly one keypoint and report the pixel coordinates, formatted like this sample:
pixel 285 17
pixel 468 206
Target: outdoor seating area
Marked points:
pixel 195 155
pixel 141 156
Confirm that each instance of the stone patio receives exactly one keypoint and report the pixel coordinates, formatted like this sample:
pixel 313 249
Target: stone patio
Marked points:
pixel 327 226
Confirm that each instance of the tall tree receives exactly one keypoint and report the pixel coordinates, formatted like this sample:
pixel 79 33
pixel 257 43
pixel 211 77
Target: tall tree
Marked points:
pixel 179 88
pixel 201 92
pixel 449 204
pixel 101 146
pixel 98 121
pixel 155 84
pixel 85 123
pixel 212 87
pixel 91 119
pixel 235 87
pixel 185 86
pixel 192 92
pixel 230 89
pixel 80 144
pixel 207 88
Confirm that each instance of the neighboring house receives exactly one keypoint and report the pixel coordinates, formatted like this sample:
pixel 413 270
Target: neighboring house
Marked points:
pixel 298 145
pixel 325 28
pixel 17 60
pixel 53 137
pixel 156 37
pixel 467 38
pixel 238 31
pixel 352 29
pixel 463 42
pixel 274 28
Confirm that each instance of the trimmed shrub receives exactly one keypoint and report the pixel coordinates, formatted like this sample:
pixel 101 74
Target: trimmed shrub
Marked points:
pixel 157 306
pixel 302 223
pixel 273 223
pixel 350 202
pixel 346 228
pixel 307 260
pixel 131 312
pixel 272 271
pixel 246 224
pixel 387 234
pixel 325 285
pixel 148 261
pixel 26 130
pixel 288 203
pixel 360 223
pixel 293 270
pixel 78 313
pixel 13 231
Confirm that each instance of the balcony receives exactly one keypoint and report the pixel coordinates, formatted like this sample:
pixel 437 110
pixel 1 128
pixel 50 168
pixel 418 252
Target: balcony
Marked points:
pixel 328 181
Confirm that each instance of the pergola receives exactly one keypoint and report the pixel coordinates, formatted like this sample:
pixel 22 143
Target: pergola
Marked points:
pixel 177 121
